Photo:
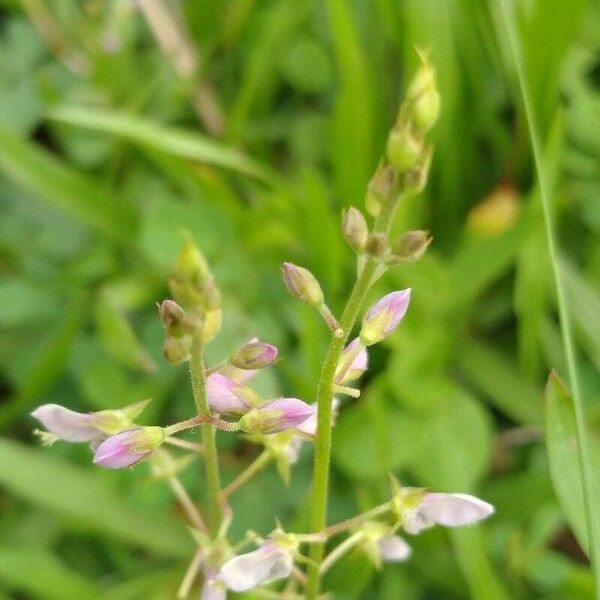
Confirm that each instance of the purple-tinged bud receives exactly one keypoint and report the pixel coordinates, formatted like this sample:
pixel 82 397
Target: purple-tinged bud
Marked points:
pixel 128 447
pixel 379 189
pixel 302 284
pixel 171 316
pixel 410 246
pixel 355 229
pixel 254 355
pixel 284 413
pixel 403 149
pixel 223 394
pixel 309 427
pixel 383 317
pixel 353 362
pixel 415 180
pixel 378 244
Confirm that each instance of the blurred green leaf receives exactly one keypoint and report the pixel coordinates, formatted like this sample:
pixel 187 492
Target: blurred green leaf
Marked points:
pixel 61 187
pixel 178 142
pixel 41 575
pixel 561 444
pixel 84 499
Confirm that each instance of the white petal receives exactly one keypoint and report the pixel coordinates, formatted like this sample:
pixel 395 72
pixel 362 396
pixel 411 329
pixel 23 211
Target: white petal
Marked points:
pixel 266 564
pixel 66 424
pixel 393 548
pixel 413 521
pixel 453 510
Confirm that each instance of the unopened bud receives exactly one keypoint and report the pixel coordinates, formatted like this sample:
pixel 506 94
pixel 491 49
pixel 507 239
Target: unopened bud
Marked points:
pixel 411 246
pixel 177 349
pixel 175 320
pixel 415 180
pixel 128 447
pixel 384 316
pixel 284 413
pixel 191 264
pixel 254 355
pixel 379 189
pixel 403 148
pixel 302 284
pixel 355 229
pixel 211 325
pixel 378 244
pixel 423 98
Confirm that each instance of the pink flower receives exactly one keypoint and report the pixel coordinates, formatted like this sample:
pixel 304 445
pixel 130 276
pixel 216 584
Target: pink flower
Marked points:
pixel 450 510
pixel 128 447
pixel 353 362
pixel 254 355
pixel 277 415
pixel 309 427
pixel 384 316
pixel 268 563
pixel 392 548
pixel 222 395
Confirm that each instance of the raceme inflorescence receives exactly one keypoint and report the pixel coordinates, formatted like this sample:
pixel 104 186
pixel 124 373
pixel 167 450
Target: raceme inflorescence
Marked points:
pixel 225 399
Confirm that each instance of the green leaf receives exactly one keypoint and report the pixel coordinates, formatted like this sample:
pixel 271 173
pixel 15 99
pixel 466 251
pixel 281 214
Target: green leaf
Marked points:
pixel 42 576
pixel 177 142
pixel 119 339
pixel 561 444
pixel 85 500
pixel 49 179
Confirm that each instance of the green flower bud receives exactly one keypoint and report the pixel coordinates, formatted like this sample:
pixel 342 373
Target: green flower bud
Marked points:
pixel 403 149
pixel 302 284
pixel 379 188
pixel 355 229
pixel 423 99
pixel 177 349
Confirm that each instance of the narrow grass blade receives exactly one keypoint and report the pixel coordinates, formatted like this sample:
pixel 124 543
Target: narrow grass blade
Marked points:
pixel 176 142
pixel 563 311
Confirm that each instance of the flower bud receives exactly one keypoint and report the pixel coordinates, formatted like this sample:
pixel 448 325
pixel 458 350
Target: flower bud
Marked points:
pixel 211 325
pixel 384 316
pixel 223 394
pixel 352 364
pixel 410 246
pixel 177 349
pixel 423 98
pixel 378 244
pixel 379 189
pixel 355 229
pixel 128 447
pixel 302 284
pixel 254 355
pixel 403 149
pixel 191 264
pixel 284 413
pixel 171 314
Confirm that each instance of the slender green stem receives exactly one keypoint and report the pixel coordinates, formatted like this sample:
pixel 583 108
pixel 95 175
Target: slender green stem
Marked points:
pixel 563 311
pixel 211 464
pixel 340 550
pixel 324 401
pixel 263 459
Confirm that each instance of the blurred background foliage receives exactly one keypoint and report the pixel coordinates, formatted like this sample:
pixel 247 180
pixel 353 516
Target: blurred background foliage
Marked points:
pixel 252 123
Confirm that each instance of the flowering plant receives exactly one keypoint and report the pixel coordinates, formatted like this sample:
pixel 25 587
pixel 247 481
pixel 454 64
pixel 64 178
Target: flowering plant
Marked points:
pixel 225 399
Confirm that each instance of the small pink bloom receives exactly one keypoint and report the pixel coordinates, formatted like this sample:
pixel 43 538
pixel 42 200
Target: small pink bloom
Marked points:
pixel 450 510
pixel 277 415
pixel 128 447
pixel 213 588
pixel 268 563
pixel 254 355
pixel 67 424
pixel 221 394
pixel 345 372
pixel 310 425
pixel 383 317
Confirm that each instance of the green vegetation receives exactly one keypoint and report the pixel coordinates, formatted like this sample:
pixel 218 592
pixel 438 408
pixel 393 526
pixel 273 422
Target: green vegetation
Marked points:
pixel 253 131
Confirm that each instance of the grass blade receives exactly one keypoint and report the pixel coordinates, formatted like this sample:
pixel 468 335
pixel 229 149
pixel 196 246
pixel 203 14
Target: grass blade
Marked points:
pixel 563 311
pixel 176 142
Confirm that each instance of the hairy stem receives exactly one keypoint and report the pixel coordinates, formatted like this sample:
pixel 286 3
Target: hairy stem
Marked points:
pixel 211 464
pixel 324 399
